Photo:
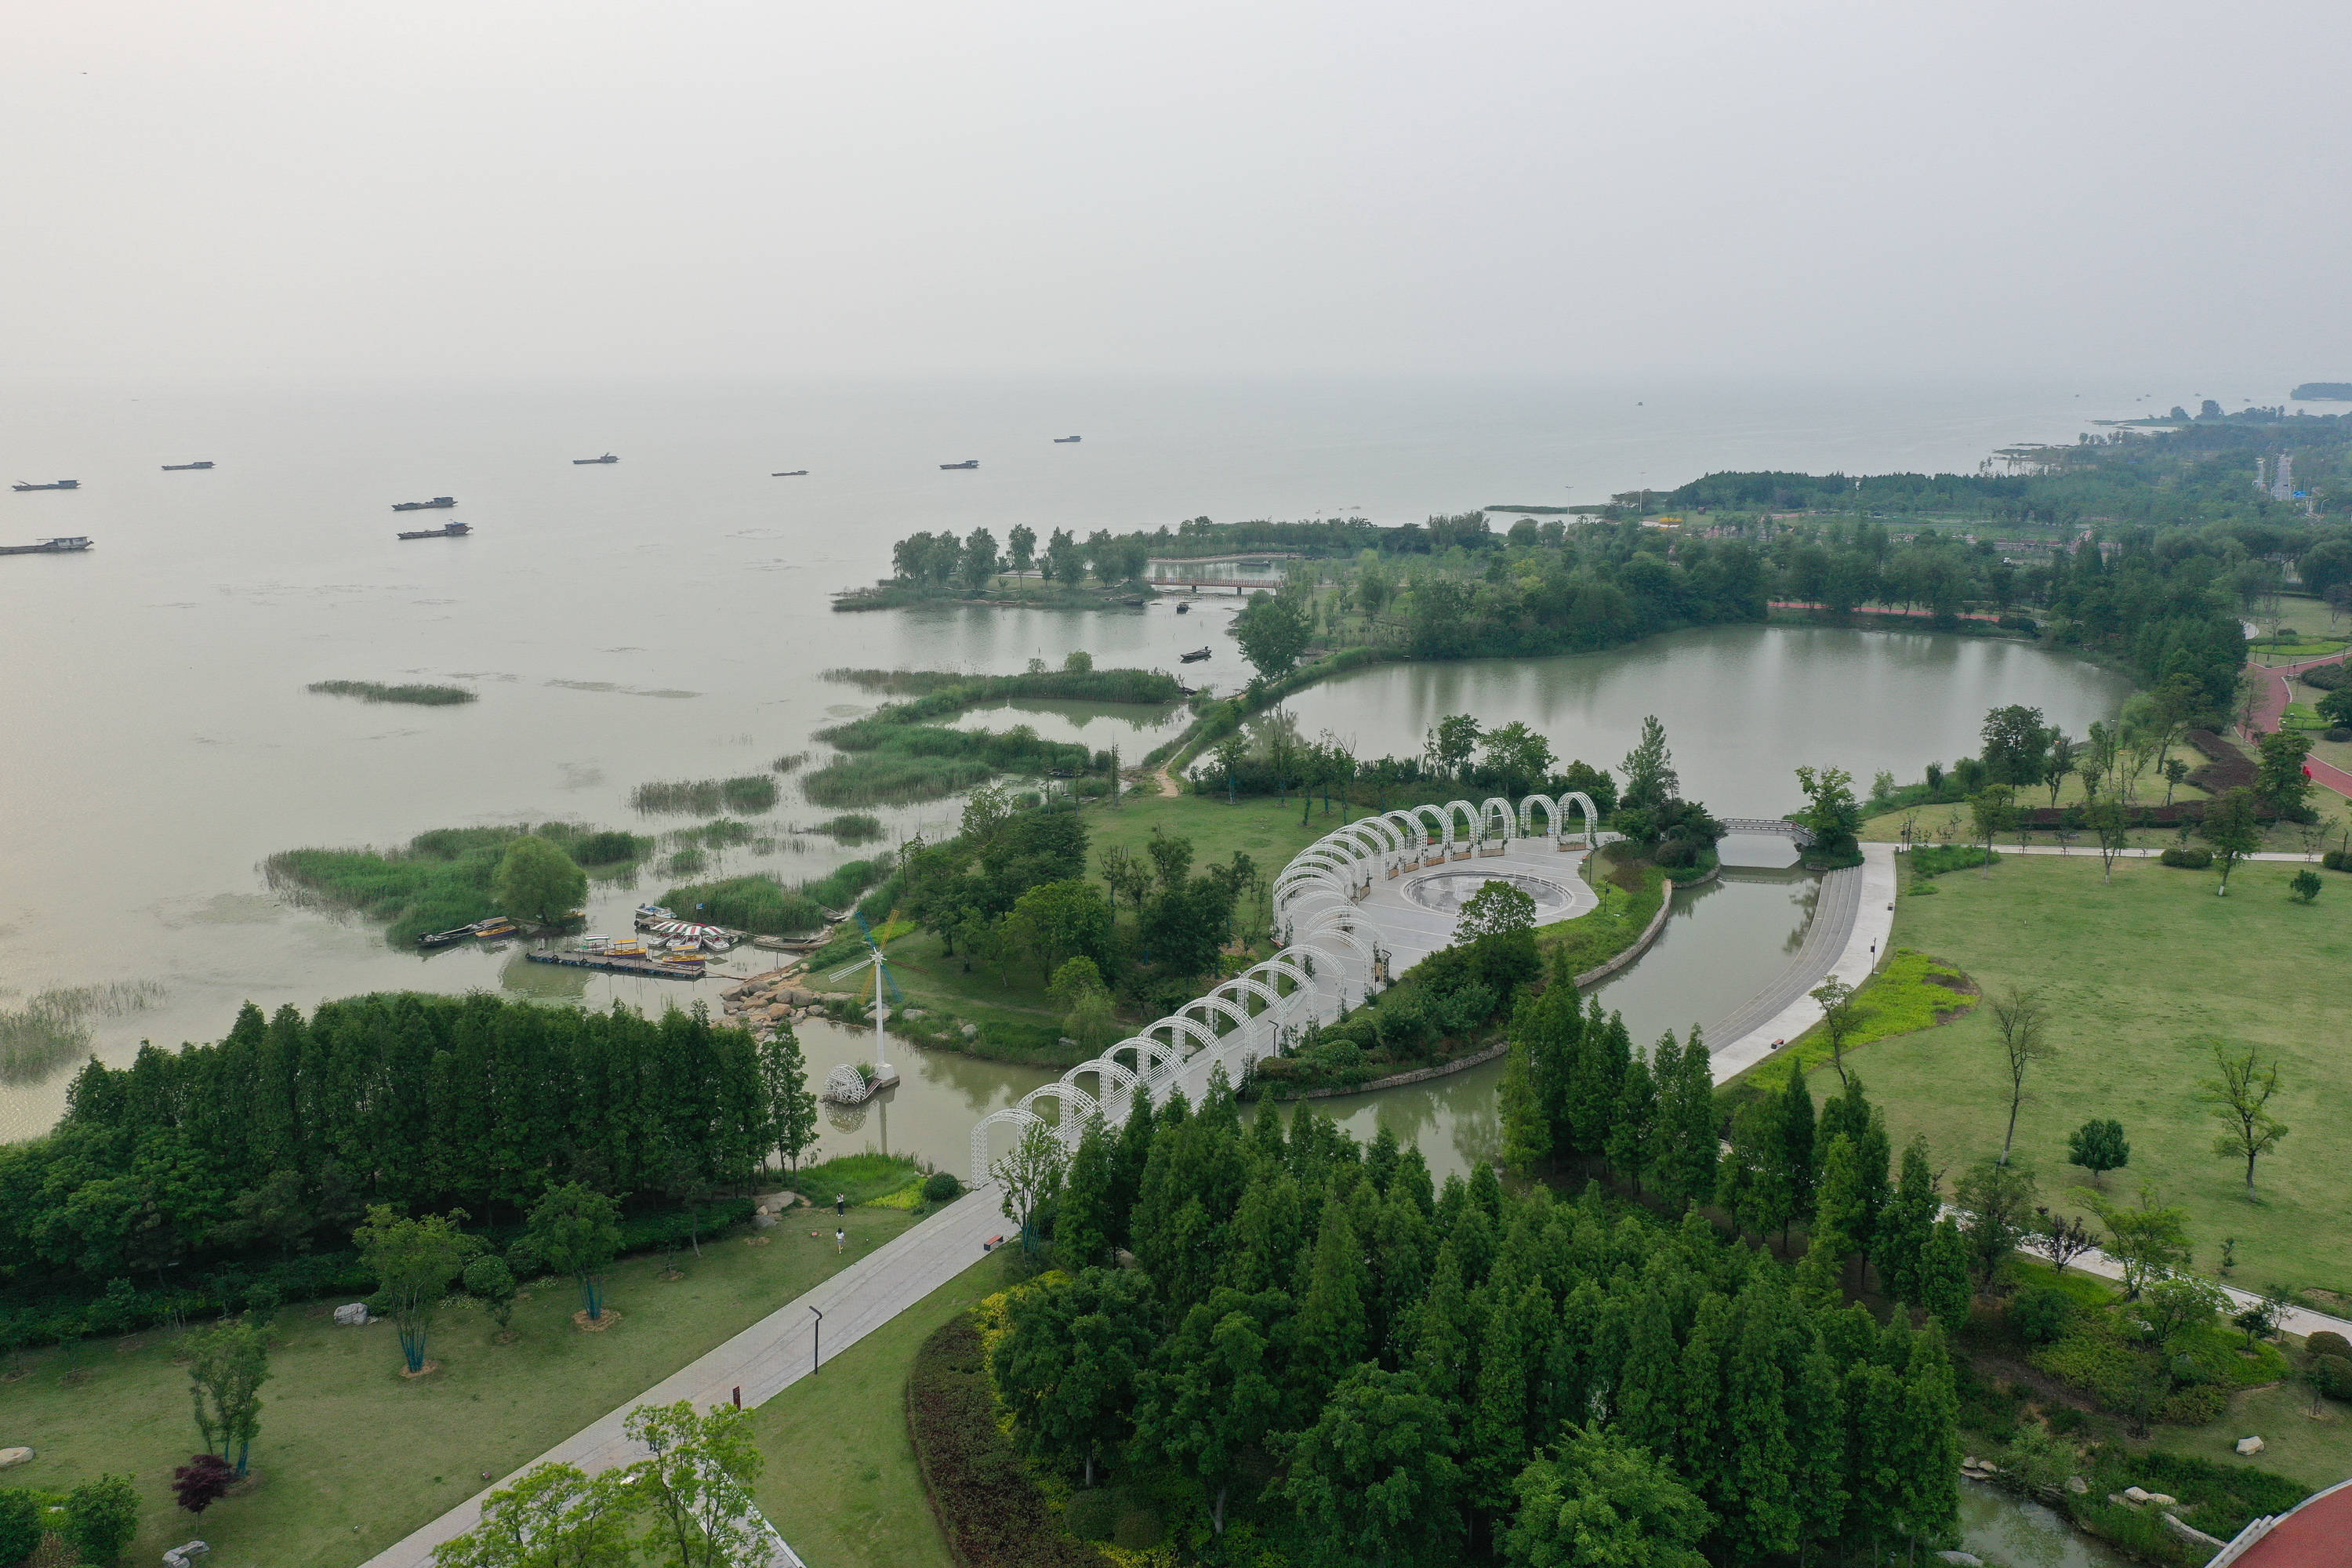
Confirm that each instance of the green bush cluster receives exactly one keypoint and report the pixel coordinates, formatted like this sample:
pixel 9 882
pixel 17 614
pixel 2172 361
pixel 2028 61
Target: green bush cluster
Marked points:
pixel 2187 858
pixel 761 903
pixel 1925 861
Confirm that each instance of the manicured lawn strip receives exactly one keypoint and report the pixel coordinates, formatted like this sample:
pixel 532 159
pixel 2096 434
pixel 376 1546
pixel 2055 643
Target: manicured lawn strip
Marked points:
pixel 841 1482
pixel 1897 1000
pixel 2134 974
pixel 2316 1452
pixel 353 1457
pixel 1948 821
pixel 861 1178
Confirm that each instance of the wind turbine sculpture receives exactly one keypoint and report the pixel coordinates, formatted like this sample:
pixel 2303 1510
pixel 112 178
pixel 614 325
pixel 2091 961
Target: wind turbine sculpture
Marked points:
pixel 839 1085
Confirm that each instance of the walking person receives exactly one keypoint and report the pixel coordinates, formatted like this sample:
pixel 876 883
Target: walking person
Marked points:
pixel 840 1237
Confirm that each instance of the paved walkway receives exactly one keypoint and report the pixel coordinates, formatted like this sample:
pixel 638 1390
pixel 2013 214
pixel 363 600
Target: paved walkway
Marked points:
pixel 769 1356
pixel 2277 693
pixel 1848 938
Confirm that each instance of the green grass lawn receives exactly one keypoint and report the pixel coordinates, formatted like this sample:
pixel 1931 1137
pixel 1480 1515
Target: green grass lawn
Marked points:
pixel 2318 1453
pixel 841 1482
pixel 2134 974
pixel 352 1455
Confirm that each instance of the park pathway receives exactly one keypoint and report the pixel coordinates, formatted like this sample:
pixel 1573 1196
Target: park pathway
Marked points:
pixel 2276 695
pixel 1854 916
pixel 769 1356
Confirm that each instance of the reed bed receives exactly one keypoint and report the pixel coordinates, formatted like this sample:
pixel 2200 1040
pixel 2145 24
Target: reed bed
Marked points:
pixel 423 696
pixel 751 793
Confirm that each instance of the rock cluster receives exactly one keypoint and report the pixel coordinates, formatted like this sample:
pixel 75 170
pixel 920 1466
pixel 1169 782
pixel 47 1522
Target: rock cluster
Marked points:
pixel 764 1002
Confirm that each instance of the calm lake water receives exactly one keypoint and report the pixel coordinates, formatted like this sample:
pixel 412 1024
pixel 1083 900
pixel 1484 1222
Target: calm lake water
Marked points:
pixel 666 617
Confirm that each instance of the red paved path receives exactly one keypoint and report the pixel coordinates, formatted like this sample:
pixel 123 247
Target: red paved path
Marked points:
pixel 2267 713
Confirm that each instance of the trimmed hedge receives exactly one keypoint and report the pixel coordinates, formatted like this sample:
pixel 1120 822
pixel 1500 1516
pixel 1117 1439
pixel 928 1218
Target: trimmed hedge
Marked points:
pixel 991 1511
pixel 2187 858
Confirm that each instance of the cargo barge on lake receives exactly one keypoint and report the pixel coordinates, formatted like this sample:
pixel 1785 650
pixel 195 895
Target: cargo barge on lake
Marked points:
pixel 966 463
pixel 589 462
pixel 447 531
pixel 75 484
pixel 184 467
pixel 47 547
pixel 438 503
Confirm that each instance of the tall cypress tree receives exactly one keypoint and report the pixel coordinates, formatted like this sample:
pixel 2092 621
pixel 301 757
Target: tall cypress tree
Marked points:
pixel 1082 1218
pixel 1837 1216
pixel 1551 1026
pixel 1631 1136
pixel 1517 1329
pixel 1944 1275
pixel 1817 1430
pixel 1930 1454
pixel 1334 1325
pixel 1904 1227
pixel 1762 1515
pixel 1526 1131
pixel 1686 1126
pixel 1797 1139
pixel 1598 1081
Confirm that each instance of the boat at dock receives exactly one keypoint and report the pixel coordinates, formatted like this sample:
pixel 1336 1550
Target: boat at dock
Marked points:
pixel 495 927
pixel 586 462
pixel 1063 440
pixel 184 467
pixel 790 474
pixel 438 503
pixel 447 531
pixel 1195 656
pixel 66 546
pixel 966 463
pixel 75 484
pixel 622 963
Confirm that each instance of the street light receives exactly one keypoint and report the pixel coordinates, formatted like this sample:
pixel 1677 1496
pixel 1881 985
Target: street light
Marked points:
pixel 817 1341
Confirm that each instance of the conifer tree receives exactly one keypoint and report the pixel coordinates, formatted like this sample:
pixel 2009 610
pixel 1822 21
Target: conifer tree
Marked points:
pixel 1551 1024
pixel 1817 1430
pixel 1517 1329
pixel 1753 1185
pixel 1266 1231
pixel 1596 1081
pixel 1631 1135
pixel 1649 1385
pixel 1929 1451
pixel 1526 1131
pixel 1687 1127
pixel 1798 1139
pixel 1762 1518
pixel 1082 1220
pixel 1701 1432
pixel 1212 1393
pixel 1944 1275
pixel 1837 1216
pixel 1441 1351
pixel 1901 1236
pixel 1402 1263
pixel 1334 1328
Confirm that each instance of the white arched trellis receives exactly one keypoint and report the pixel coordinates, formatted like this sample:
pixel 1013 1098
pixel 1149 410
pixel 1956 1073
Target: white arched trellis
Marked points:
pixel 1326 961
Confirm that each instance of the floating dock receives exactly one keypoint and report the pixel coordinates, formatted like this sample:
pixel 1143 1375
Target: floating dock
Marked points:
pixel 620 965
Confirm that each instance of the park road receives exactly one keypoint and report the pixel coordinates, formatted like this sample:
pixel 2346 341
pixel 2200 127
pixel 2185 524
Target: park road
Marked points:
pixel 769 1356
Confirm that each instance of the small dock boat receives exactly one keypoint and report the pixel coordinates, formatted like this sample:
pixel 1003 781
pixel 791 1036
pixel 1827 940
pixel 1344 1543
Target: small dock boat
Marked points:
pixel 1195 656
pixel 966 463
pixel 589 462
pixel 790 474
pixel 622 963
pixel 66 546
pixel 75 484
pixel 438 503
pixel 184 467
pixel 1063 440
pixel 447 531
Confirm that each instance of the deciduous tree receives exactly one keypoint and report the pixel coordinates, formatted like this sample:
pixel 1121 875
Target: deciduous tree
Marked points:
pixel 576 1230
pixel 412 1261
pixel 2239 1097
pixel 2022 1021
pixel 536 881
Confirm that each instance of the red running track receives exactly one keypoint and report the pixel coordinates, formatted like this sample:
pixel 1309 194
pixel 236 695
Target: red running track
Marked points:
pixel 2273 706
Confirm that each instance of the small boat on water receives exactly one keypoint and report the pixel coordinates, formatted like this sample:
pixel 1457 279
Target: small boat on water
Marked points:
pixel 184 467
pixel 1063 440
pixel 495 928
pixel 66 546
pixel 447 531
pixel 790 474
pixel 966 463
pixel 75 484
pixel 1183 609
pixel 1195 656
pixel 438 503
pixel 586 462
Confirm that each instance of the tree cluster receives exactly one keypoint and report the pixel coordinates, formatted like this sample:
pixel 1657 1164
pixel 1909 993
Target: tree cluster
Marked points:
pixel 277 1136
pixel 1351 1365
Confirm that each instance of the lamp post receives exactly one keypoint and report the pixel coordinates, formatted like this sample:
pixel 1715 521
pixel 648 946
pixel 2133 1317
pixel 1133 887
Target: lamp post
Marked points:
pixel 817 1341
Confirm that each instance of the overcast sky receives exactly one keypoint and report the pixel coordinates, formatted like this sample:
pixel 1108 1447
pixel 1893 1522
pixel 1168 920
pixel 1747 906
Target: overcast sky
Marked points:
pixel 1267 187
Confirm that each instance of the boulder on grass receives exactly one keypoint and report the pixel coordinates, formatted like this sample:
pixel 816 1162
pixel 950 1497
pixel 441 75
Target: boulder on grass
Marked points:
pixel 2249 1447
pixel 353 1316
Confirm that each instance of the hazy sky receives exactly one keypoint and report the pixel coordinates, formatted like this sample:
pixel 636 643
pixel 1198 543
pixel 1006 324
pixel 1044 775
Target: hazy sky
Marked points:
pixel 1271 187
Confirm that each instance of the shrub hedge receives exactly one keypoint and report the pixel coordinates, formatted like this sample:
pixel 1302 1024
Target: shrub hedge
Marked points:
pixel 2187 858
pixel 992 1514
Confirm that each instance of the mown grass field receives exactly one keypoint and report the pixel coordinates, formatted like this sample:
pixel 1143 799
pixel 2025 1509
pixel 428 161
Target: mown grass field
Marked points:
pixel 352 1455
pixel 2138 975
pixel 1950 822
pixel 841 1483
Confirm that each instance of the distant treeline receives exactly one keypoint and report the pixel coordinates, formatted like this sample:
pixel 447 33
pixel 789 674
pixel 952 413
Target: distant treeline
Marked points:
pixel 377 691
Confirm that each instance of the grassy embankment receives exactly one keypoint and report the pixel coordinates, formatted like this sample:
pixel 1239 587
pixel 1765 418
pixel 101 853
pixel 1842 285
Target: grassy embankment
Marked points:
pixel 763 904
pixel 2139 976
pixel 423 696
pixel 841 1482
pixel 353 1457
pixel 442 878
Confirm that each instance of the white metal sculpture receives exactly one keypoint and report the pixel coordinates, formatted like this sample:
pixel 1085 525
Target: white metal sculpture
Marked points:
pixel 1327 958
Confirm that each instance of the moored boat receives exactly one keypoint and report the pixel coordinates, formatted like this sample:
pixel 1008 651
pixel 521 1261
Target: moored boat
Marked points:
pixel 66 546
pixel 790 474
pixel 1195 656
pixel 585 462
pixel 966 463
pixel 447 531
pixel 438 503
pixel 184 467
pixel 75 484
